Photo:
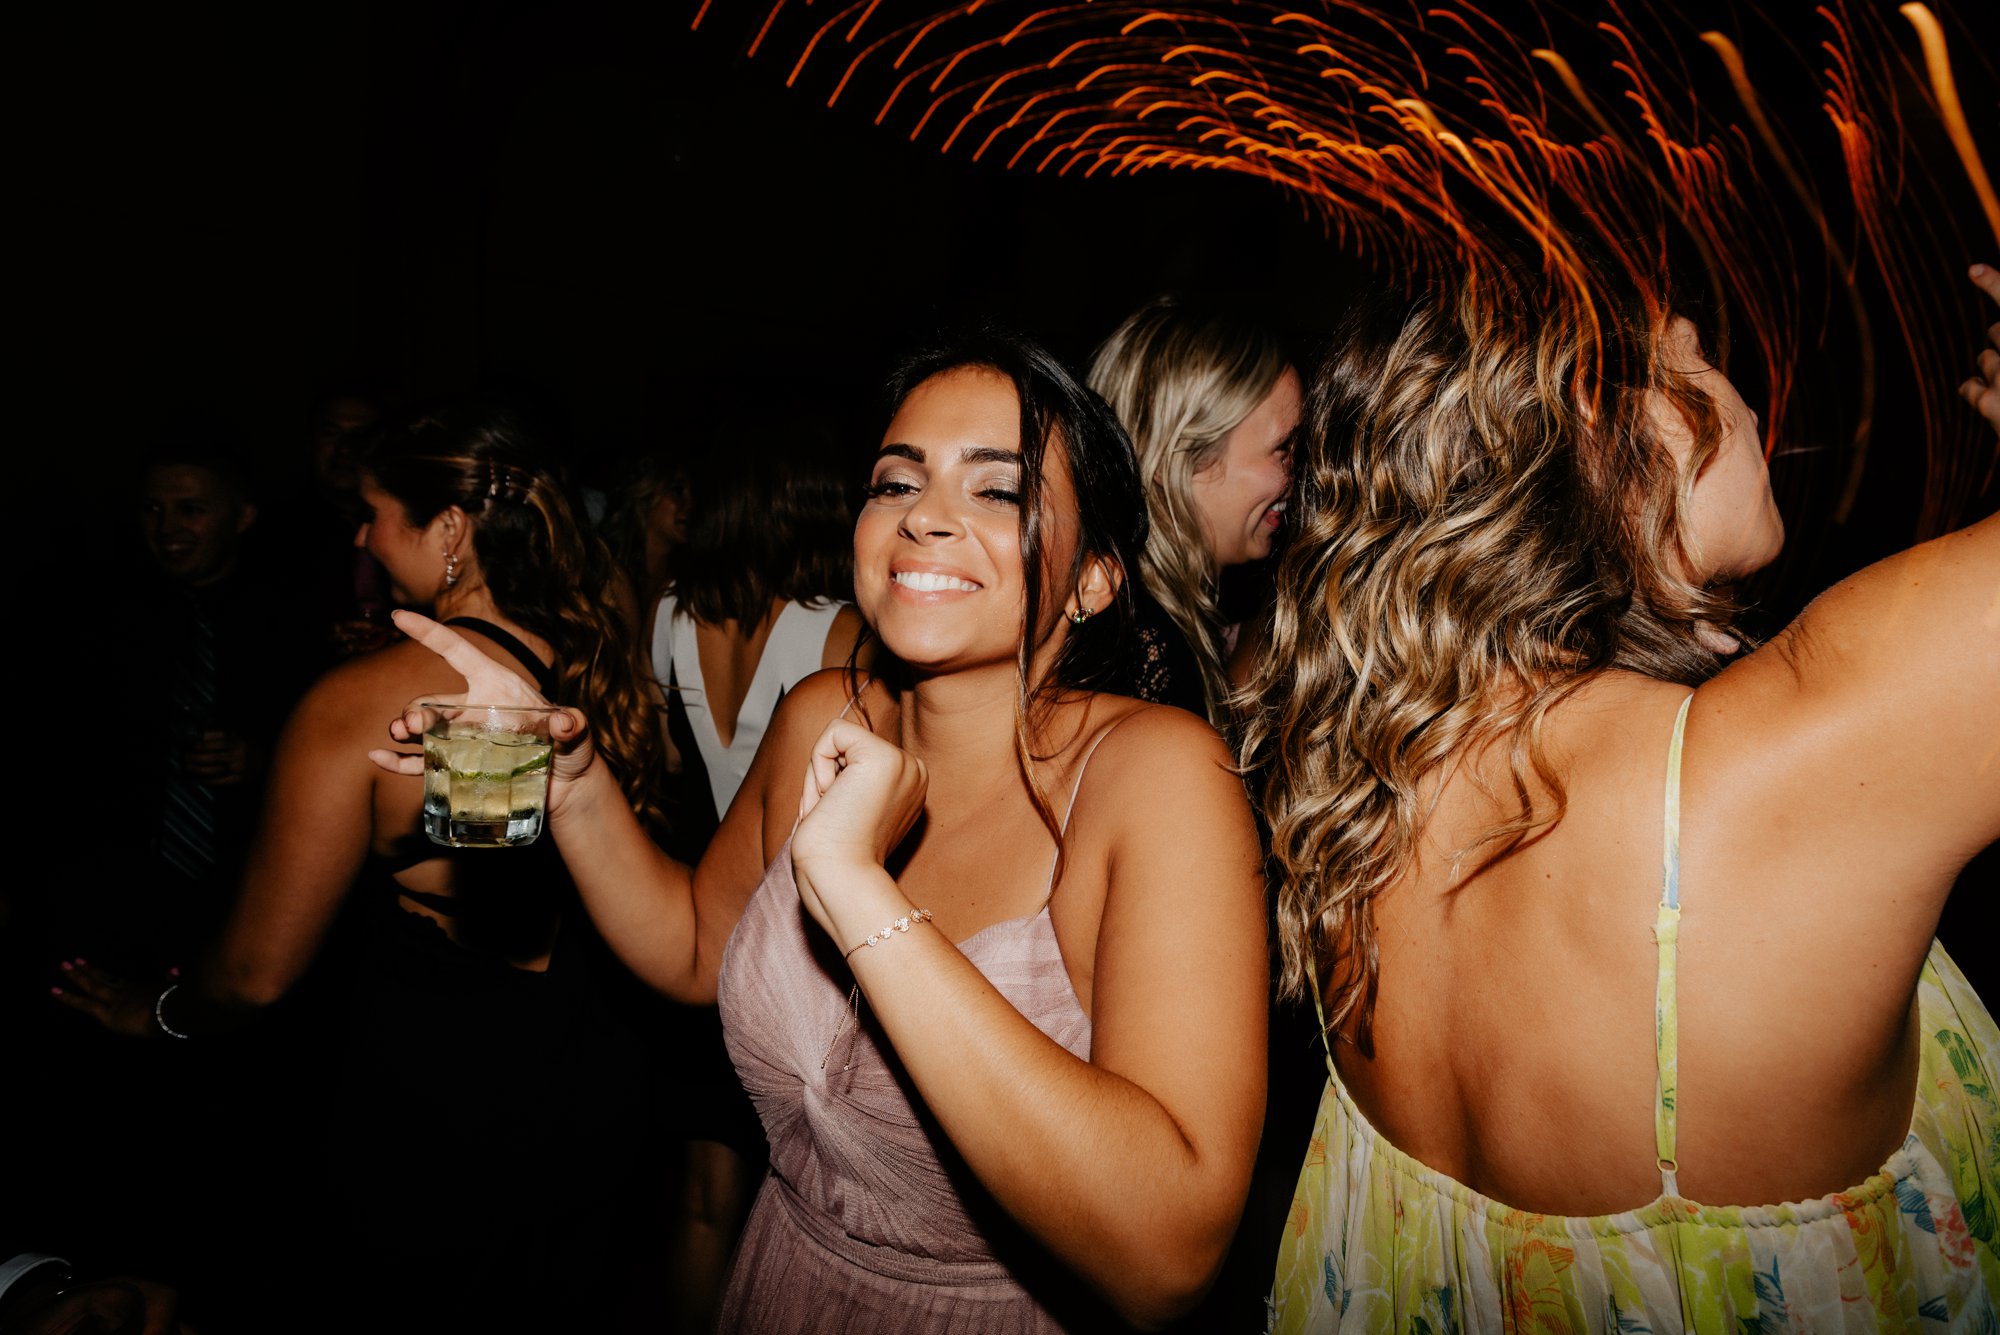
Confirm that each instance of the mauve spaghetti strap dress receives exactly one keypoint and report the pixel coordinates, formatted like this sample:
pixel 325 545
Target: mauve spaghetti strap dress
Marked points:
pixel 868 1220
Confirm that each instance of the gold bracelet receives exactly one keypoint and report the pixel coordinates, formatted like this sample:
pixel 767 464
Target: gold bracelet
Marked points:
pixel 902 924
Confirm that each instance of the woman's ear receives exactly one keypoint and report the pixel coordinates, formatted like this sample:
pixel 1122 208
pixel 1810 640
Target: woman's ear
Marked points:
pixel 449 528
pixel 1096 585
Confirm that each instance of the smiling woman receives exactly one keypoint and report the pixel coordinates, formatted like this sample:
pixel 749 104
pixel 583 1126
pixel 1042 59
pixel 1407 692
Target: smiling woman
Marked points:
pixel 1009 1059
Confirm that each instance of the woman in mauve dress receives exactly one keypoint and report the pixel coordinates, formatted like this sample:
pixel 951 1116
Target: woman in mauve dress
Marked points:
pixel 989 945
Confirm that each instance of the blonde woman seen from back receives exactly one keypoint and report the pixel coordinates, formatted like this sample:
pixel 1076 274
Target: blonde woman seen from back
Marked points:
pixel 1621 947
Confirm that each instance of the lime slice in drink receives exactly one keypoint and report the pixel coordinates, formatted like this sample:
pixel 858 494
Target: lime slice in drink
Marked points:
pixel 541 761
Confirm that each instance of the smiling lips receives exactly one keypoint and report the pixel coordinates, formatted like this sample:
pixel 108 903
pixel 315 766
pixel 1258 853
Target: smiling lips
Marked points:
pixel 928 581
pixel 1275 515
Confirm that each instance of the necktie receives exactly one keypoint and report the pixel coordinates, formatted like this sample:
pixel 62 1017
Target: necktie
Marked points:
pixel 187 815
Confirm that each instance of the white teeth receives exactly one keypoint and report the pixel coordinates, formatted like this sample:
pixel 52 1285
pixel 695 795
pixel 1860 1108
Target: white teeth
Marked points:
pixel 1280 506
pixel 925 582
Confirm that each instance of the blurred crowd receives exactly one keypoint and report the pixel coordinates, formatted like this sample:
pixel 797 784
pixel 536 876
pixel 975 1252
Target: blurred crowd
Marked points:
pixel 289 1066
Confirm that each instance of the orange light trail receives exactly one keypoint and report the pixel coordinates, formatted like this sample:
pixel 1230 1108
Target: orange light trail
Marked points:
pixel 1434 138
pixel 1938 61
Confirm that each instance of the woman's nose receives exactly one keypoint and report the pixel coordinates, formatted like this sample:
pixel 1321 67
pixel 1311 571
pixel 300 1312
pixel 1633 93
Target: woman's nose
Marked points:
pixel 931 519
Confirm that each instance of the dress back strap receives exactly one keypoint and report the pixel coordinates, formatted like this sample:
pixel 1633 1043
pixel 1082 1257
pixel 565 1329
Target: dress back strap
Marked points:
pixel 1666 1008
pixel 543 675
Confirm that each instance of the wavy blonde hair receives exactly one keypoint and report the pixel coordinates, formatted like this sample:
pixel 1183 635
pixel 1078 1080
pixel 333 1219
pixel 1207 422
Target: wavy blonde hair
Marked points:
pixel 1487 519
pixel 1181 379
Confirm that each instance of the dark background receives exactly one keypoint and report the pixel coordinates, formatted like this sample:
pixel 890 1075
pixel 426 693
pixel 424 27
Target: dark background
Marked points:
pixel 590 210
pixel 642 237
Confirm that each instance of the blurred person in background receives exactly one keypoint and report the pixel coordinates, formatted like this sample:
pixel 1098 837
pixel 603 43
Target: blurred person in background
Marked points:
pixel 756 602
pixel 1210 400
pixel 312 537
pixel 488 1116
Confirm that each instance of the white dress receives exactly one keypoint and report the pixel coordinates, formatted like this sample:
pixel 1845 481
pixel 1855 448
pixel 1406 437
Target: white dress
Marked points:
pixel 797 643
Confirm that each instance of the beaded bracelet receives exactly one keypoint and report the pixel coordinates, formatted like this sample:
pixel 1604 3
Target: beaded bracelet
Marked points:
pixel 902 924
pixel 160 1012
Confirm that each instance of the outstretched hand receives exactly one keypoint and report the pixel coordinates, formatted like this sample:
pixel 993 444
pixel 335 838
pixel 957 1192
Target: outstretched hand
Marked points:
pixel 487 682
pixel 862 794
pixel 1983 390
pixel 120 1005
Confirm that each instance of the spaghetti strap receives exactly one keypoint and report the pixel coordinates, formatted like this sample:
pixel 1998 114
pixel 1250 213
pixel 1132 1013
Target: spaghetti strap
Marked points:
pixel 1076 786
pixel 1666 1008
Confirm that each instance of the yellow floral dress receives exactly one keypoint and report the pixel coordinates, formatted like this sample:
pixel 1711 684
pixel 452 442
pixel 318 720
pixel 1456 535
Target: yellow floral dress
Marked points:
pixel 1378 1242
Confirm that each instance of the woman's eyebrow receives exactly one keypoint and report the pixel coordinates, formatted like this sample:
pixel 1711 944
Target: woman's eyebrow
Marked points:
pixel 910 452
pixel 988 454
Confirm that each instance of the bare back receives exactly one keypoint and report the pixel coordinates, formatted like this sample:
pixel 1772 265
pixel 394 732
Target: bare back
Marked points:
pixel 1515 1022
pixel 329 809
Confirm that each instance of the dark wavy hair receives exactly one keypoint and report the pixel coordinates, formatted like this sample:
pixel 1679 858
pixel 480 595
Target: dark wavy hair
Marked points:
pixel 769 523
pixel 545 569
pixel 1057 410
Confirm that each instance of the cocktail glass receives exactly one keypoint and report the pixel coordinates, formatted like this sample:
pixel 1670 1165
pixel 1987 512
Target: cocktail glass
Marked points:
pixel 486 773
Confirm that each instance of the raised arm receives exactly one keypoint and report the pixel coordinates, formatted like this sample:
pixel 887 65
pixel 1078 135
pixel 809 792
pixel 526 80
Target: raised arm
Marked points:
pixel 1131 1167
pixel 668 923
pixel 1855 760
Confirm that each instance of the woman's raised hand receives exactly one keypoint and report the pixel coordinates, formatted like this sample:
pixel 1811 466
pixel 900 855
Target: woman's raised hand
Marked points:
pixel 862 794
pixel 1983 390
pixel 487 682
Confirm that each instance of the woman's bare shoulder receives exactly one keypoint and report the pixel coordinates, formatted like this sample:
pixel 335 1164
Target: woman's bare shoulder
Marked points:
pixel 1136 731
pixel 363 693
pixel 824 693
pixel 816 701
pixel 1157 757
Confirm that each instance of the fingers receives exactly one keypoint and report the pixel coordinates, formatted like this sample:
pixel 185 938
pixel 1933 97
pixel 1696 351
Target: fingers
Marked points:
pixel 485 680
pixel 1988 280
pixel 397 762
pixel 568 727
pixel 418 716
pixel 1982 391
pixel 1985 396
pixel 85 989
pixel 79 1001
pixel 217 758
pixel 97 987
pixel 821 770
pixel 828 759
pixel 810 794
